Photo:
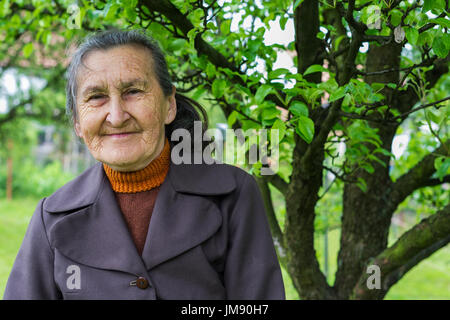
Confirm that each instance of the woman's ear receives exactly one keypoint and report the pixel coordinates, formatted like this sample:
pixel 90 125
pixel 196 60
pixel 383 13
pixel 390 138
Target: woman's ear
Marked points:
pixel 78 130
pixel 172 107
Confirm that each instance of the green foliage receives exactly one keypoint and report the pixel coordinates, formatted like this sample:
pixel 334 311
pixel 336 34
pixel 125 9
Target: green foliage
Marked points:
pixel 14 218
pixel 305 128
pixel 32 181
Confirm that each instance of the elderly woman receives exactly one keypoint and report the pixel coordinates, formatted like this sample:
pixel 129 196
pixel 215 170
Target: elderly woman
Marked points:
pixel 135 225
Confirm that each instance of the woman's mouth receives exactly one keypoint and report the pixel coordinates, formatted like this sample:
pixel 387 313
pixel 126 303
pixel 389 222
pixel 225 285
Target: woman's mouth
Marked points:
pixel 120 135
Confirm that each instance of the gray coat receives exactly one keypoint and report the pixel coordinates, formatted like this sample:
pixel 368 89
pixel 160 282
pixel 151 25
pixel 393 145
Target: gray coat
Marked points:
pixel 208 239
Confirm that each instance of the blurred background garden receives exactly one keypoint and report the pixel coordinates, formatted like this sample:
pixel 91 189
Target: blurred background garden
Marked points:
pixel 360 99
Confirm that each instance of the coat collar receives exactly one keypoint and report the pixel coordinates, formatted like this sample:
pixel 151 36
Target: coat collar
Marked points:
pixel 200 179
pixel 92 230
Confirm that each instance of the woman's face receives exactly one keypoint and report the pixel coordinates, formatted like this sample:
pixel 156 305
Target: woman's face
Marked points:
pixel 121 107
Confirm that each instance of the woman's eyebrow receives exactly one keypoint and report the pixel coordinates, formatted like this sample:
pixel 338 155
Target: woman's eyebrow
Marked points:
pixel 134 82
pixel 94 88
pixel 122 85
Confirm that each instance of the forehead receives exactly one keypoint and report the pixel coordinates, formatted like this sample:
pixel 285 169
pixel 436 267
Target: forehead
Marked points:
pixel 118 64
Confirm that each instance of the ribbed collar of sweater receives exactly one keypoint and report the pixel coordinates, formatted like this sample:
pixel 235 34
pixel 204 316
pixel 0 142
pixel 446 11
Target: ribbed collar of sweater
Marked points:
pixel 142 180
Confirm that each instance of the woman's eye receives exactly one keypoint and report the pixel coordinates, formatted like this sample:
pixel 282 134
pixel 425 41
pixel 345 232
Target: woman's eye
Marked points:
pixel 96 97
pixel 133 91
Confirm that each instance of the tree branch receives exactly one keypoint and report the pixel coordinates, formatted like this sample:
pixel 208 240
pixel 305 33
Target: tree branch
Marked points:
pixel 180 21
pixel 394 120
pixel 412 247
pixel 404 100
pixel 306 178
pixel 435 181
pixel 277 182
pixel 14 111
pixel 417 177
pixel 273 222
pixel 431 104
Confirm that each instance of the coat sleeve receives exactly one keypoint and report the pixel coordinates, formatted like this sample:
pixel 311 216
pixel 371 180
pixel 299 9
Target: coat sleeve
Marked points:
pixel 252 270
pixel 32 277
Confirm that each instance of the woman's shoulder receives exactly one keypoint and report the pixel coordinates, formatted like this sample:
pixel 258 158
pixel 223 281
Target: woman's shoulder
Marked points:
pixel 81 191
pixel 206 179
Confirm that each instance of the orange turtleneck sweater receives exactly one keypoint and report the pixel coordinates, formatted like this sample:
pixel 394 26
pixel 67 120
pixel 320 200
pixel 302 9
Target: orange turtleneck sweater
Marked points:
pixel 136 193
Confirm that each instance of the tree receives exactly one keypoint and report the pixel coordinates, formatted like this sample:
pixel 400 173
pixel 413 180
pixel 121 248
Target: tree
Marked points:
pixel 386 68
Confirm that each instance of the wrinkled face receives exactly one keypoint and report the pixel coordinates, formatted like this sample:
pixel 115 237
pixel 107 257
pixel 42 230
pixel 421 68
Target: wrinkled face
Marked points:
pixel 121 107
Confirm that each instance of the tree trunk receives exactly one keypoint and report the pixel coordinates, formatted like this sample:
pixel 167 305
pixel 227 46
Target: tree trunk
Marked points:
pixel 366 217
pixel 306 178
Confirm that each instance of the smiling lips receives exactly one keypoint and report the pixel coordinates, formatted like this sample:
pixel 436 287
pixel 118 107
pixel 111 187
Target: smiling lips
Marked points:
pixel 120 134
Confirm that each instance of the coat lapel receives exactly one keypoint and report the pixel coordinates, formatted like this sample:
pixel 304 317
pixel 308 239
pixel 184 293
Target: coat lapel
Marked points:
pixel 184 214
pixel 93 231
pixel 94 234
pixel 179 222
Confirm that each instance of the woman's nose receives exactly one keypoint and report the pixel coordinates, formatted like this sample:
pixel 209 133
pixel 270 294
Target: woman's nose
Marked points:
pixel 117 113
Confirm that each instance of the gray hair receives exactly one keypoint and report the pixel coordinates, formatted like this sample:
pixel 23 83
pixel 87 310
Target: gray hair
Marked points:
pixel 186 112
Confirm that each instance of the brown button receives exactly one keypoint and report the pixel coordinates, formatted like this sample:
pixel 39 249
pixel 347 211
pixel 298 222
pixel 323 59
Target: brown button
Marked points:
pixel 142 283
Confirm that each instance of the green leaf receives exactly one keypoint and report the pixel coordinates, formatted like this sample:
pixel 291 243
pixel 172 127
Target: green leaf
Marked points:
pixel 218 88
pixel 396 17
pixel 275 74
pixel 225 27
pixel 192 34
pixel 305 128
pixel 254 45
pixel 433 4
pixel 384 152
pixel 110 11
pixel 196 16
pixel 425 38
pixel 270 113
pixel 27 49
pixel 392 85
pixel 347 100
pixel 362 184
pixel 176 45
pixel 441 21
pixel 4 8
pixel 281 127
pixel 283 21
pixel 298 108
pixel 427 5
pixel 232 119
pixel 262 92
pixel 368 167
pixel 439 47
pixel 199 92
pixel 210 70
pixel 338 94
pixel 442 166
pixel 320 35
pixel 314 68
pixel 338 41
pixel 412 34
pixel 330 85
pixel 375 158
pixel 376 86
pixel 430 114
pixel 297 3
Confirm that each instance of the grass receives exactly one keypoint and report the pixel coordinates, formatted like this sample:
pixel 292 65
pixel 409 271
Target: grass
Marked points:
pixel 428 280
pixel 14 218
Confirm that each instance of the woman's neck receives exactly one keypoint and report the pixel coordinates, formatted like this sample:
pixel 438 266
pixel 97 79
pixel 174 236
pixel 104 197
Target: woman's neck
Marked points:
pixel 142 180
